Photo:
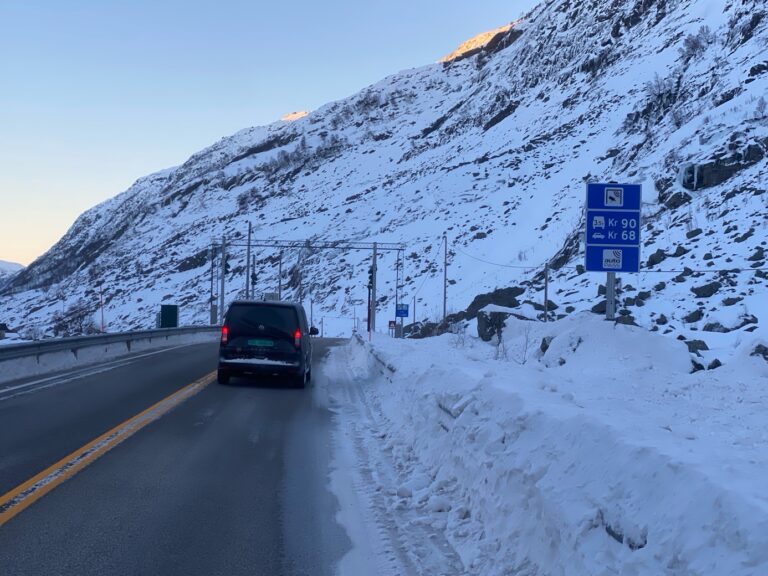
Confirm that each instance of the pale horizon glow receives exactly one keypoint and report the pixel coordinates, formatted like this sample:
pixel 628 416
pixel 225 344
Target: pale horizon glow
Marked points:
pixel 96 95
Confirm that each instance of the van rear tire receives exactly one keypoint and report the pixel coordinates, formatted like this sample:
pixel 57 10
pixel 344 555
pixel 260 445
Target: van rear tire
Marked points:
pixel 222 377
pixel 299 381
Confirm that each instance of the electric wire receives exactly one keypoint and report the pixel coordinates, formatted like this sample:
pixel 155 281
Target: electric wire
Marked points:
pixel 426 276
pixel 460 251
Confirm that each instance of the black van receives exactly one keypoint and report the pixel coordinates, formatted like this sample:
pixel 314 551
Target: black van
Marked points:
pixel 267 338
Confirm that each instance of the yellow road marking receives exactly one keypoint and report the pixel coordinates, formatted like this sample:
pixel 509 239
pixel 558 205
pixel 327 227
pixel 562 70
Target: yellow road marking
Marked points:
pixel 26 494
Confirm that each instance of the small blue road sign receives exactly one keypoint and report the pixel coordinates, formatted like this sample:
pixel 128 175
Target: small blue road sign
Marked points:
pixel 401 311
pixel 613 227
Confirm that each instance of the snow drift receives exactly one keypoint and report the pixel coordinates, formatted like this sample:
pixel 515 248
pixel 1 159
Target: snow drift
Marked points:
pixel 601 455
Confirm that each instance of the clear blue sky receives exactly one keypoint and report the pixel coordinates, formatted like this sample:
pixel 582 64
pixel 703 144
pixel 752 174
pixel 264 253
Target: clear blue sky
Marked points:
pixel 95 94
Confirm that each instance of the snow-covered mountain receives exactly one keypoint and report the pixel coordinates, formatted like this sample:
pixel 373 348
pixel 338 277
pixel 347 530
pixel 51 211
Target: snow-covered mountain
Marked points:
pixel 8 269
pixel 492 147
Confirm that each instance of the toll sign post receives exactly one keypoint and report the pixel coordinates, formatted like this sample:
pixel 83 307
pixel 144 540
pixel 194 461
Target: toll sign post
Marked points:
pixel 401 311
pixel 613 224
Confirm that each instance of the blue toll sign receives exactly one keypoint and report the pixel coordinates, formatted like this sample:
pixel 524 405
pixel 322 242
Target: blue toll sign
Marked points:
pixel 613 227
pixel 401 311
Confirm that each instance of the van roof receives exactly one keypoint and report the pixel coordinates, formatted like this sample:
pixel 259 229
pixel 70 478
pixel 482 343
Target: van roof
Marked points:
pixel 280 303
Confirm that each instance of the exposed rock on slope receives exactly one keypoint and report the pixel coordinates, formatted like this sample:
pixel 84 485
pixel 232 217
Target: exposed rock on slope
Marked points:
pixel 474 45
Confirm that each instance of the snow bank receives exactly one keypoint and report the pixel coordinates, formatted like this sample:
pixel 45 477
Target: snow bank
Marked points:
pixel 597 454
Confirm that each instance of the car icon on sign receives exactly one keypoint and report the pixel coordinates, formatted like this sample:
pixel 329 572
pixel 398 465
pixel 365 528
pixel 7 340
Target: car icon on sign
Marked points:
pixel 598 236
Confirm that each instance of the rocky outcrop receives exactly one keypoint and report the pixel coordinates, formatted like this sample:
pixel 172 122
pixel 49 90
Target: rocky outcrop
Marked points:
pixel 483 41
pixel 736 157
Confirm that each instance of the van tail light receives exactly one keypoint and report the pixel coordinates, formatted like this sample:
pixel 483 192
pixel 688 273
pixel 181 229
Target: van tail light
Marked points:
pixel 297 338
pixel 224 334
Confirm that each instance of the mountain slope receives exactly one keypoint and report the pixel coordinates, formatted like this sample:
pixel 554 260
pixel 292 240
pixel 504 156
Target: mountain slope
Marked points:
pixel 8 269
pixel 493 149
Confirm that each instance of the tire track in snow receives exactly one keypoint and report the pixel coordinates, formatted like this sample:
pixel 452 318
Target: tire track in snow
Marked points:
pixel 413 538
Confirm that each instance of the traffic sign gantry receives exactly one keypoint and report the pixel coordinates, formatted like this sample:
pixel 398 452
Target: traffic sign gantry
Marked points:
pixel 613 227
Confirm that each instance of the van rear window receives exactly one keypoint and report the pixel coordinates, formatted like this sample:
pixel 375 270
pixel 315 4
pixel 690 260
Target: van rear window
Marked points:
pixel 247 319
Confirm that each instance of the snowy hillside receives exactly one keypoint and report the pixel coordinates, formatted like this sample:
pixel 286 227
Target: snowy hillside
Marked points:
pixel 8 269
pixel 493 148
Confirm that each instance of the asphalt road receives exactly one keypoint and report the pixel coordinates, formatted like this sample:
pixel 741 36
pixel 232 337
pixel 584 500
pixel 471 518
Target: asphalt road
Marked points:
pixel 231 481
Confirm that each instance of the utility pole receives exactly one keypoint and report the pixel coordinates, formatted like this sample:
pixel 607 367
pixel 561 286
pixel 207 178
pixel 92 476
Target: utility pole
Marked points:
pixel 445 278
pixel 248 265
pixel 546 292
pixel 369 312
pixel 101 302
pixel 372 313
pixel 397 287
pixel 301 285
pixel 397 283
pixel 414 309
pixel 610 296
pixel 211 300
pixel 253 278
pixel 280 277
pixel 223 277
pixel 311 312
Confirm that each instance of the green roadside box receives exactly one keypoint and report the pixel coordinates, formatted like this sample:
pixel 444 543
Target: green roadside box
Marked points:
pixel 169 316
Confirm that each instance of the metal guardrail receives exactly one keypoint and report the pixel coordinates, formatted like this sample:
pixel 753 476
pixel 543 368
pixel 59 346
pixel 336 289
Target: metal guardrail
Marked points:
pixel 40 347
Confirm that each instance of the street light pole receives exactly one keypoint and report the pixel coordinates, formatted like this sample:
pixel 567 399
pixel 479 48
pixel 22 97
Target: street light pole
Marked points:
pixel 212 300
pixel 248 265
pixel 223 277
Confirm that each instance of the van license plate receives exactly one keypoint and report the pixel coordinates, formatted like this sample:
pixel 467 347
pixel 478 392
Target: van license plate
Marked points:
pixel 261 343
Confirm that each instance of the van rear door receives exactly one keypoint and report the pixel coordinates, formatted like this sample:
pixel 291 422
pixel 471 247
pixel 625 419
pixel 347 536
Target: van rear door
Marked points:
pixel 262 331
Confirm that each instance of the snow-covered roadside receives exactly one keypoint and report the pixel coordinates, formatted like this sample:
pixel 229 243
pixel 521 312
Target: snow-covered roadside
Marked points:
pixel 602 455
pixel 13 339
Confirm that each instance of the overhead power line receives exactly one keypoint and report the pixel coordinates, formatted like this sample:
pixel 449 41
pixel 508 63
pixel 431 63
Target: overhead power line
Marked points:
pixel 496 263
pixel 320 245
